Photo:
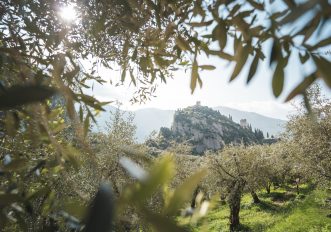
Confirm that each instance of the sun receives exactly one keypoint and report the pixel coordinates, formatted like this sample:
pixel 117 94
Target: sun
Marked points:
pixel 68 13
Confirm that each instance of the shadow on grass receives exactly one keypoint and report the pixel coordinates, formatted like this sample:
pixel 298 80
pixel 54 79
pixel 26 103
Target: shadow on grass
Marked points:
pixel 302 189
pixel 244 228
pixel 279 196
pixel 269 207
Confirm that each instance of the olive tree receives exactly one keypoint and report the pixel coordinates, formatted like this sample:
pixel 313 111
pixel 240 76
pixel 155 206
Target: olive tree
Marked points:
pixel 235 169
pixel 311 131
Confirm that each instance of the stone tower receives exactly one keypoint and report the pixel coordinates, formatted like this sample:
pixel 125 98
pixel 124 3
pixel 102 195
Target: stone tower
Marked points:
pixel 243 123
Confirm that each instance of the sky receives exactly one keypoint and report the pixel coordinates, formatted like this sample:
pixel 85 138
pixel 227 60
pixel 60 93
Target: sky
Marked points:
pixel 256 97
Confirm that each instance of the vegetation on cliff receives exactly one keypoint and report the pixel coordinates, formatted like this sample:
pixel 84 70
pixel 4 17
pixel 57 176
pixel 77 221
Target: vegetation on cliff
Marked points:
pixel 204 129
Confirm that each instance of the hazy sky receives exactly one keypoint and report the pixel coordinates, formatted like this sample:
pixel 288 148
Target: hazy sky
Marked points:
pixel 216 91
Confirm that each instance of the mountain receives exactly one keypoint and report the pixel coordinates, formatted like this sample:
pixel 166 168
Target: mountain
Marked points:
pixel 204 129
pixel 269 125
pixel 152 119
pixel 147 120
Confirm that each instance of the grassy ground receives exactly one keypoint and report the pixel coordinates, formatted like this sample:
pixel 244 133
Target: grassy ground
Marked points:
pixel 280 211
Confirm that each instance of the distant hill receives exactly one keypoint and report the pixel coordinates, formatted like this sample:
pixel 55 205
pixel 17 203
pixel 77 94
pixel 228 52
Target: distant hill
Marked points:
pixel 150 119
pixel 147 120
pixel 204 129
pixel 273 126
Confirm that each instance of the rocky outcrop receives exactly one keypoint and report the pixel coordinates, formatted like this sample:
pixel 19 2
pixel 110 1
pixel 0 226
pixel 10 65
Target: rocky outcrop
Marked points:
pixel 204 129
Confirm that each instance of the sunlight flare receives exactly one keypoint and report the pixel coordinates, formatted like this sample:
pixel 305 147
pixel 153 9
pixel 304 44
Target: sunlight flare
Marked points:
pixel 68 13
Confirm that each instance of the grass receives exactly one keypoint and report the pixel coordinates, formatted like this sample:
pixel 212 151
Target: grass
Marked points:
pixel 280 211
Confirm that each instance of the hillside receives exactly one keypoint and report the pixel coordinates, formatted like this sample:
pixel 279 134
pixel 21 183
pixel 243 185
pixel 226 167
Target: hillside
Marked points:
pixel 152 119
pixel 271 125
pixel 204 129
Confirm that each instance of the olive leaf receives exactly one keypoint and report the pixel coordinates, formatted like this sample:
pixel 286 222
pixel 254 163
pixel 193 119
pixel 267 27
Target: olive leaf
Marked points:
pixel 278 77
pixel 299 89
pixel 207 67
pixel 183 44
pixel 323 67
pixel 194 76
pixel 241 58
pixel 183 192
pixel 253 68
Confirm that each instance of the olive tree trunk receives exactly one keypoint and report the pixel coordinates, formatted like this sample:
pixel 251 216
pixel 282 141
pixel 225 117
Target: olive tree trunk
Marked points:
pixel 268 187
pixel 223 199
pixel 256 199
pixel 297 183
pixel 234 200
pixel 195 194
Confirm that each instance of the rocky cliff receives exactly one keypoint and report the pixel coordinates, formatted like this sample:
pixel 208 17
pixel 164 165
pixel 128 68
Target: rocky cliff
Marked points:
pixel 204 129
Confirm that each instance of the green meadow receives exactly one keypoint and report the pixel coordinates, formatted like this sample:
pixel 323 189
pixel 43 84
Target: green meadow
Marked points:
pixel 281 210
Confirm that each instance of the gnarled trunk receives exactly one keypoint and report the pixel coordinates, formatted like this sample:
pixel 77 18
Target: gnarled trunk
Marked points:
pixel 297 183
pixel 256 199
pixel 268 187
pixel 234 200
pixel 195 194
pixel 234 216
